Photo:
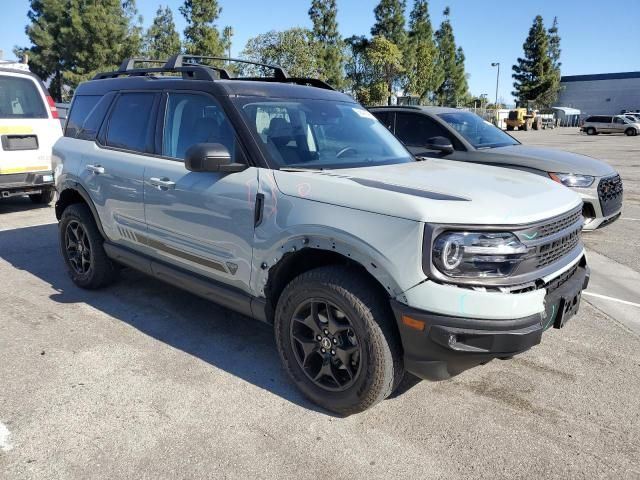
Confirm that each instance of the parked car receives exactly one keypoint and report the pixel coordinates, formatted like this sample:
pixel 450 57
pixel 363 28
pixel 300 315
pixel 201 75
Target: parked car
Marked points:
pixel 632 117
pixel 454 134
pixel 28 129
pixel 597 124
pixel 290 203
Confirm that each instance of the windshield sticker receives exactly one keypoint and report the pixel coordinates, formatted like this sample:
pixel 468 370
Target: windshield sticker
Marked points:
pixel 364 113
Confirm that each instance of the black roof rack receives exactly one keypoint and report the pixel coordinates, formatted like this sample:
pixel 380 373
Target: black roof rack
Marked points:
pixel 191 68
pixel 279 73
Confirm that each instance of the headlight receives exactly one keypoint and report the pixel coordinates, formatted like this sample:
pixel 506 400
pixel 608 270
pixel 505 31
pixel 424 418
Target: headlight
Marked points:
pixel 572 179
pixel 477 254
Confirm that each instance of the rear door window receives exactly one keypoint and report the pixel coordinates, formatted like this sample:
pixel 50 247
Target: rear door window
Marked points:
pixel 20 98
pixel 131 124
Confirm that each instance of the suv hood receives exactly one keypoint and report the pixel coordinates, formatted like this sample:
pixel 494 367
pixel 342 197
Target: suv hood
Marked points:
pixel 549 160
pixel 438 191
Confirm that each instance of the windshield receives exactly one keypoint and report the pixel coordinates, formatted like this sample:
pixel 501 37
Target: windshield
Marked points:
pixel 317 134
pixel 476 131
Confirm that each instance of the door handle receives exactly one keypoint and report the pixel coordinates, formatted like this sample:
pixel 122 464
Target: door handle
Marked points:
pixel 162 183
pixel 97 169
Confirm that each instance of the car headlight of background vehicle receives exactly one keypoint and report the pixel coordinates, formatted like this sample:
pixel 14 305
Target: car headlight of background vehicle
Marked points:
pixel 572 179
pixel 477 254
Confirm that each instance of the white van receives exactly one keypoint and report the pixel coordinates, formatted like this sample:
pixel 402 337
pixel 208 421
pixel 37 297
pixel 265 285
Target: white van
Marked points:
pixel 29 127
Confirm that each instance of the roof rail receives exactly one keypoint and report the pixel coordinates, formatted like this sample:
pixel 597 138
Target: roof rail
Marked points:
pixel 194 72
pixel 179 60
pixel 190 68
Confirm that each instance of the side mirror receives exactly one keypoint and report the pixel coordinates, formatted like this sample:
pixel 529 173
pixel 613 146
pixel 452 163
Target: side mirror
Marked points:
pixel 440 144
pixel 211 157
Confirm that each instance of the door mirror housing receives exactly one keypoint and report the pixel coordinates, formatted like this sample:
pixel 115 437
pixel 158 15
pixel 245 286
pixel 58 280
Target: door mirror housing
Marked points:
pixel 211 157
pixel 440 144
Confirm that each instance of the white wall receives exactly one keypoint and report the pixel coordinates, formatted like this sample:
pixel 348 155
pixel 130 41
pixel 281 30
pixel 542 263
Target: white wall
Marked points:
pixel 601 96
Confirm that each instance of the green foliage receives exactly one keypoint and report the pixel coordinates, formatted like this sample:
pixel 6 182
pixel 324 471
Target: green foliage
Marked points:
pixel 292 49
pixel 201 35
pixel 227 37
pixel 73 39
pixel 390 21
pixel 537 81
pixel 454 89
pixel 424 72
pixel 385 60
pixel 323 14
pixel 161 39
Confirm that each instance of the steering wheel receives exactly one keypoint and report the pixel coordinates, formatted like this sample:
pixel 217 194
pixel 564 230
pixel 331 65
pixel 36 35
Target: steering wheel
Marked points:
pixel 345 150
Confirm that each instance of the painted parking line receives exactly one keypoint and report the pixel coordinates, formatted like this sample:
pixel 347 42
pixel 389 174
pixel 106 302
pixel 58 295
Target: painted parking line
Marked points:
pixel 606 297
pixel 630 219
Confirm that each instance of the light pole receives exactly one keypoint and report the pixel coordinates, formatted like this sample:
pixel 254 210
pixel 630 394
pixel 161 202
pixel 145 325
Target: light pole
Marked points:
pixel 497 64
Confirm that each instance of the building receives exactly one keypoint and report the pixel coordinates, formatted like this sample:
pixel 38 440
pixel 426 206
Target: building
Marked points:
pixel 605 93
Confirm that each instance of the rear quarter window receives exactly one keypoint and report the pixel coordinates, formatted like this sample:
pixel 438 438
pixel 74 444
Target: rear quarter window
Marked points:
pixel 80 109
pixel 20 98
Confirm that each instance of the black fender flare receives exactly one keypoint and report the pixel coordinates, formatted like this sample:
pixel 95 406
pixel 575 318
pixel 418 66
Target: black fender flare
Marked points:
pixel 80 190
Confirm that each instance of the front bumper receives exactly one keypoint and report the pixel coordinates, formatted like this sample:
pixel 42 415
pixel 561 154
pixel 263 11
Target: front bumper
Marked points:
pixel 28 183
pixel 597 210
pixel 438 346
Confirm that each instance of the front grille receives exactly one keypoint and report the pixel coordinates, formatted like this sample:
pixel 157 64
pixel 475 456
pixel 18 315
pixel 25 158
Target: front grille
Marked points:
pixel 610 194
pixel 557 225
pixel 552 251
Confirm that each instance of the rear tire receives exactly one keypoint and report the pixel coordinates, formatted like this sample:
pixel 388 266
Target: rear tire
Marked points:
pixel 81 245
pixel 591 131
pixel 311 309
pixel 43 198
pixel 509 128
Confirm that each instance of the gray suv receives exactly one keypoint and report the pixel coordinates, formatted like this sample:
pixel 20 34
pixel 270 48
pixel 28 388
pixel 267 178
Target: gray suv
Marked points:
pixel 288 202
pixel 454 134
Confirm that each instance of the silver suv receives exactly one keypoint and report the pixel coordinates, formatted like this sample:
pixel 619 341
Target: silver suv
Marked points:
pixel 610 124
pixel 288 202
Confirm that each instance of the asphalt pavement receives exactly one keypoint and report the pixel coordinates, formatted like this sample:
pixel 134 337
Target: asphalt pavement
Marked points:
pixel 140 380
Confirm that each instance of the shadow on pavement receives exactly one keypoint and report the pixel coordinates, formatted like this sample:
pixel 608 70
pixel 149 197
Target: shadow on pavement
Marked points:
pixel 225 339
pixel 19 204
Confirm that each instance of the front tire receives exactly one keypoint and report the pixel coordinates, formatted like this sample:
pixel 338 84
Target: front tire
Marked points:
pixel 44 198
pixel 81 245
pixel 591 131
pixel 337 339
pixel 630 132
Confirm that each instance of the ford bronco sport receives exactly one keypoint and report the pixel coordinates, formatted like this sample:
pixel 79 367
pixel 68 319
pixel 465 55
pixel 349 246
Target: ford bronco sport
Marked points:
pixel 284 200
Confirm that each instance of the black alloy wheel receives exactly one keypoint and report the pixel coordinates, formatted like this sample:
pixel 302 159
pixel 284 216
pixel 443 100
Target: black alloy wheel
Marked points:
pixel 78 248
pixel 325 345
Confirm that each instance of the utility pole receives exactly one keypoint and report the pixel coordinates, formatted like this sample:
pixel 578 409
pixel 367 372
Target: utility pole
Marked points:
pixel 497 64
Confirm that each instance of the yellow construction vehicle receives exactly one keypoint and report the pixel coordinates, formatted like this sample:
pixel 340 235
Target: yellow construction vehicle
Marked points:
pixel 522 119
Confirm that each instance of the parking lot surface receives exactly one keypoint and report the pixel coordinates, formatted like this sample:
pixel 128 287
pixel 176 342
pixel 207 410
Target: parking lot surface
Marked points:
pixel 140 380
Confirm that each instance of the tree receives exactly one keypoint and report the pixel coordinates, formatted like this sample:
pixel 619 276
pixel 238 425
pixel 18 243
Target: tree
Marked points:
pixel 71 40
pixel 536 80
pixel 227 36
pixel 554 45
pixel 390 21
pixel 292 49
pixel 453 89
pixel 424 72
pixel 385 59
pixel 357 68
pixel 161 39
pixel 323 14
pixel 201 35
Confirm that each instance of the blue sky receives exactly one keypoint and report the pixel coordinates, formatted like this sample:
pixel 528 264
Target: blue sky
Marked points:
pixel 595 38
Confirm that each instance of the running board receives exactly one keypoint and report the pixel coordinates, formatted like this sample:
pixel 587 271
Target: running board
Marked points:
pixel 223 295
